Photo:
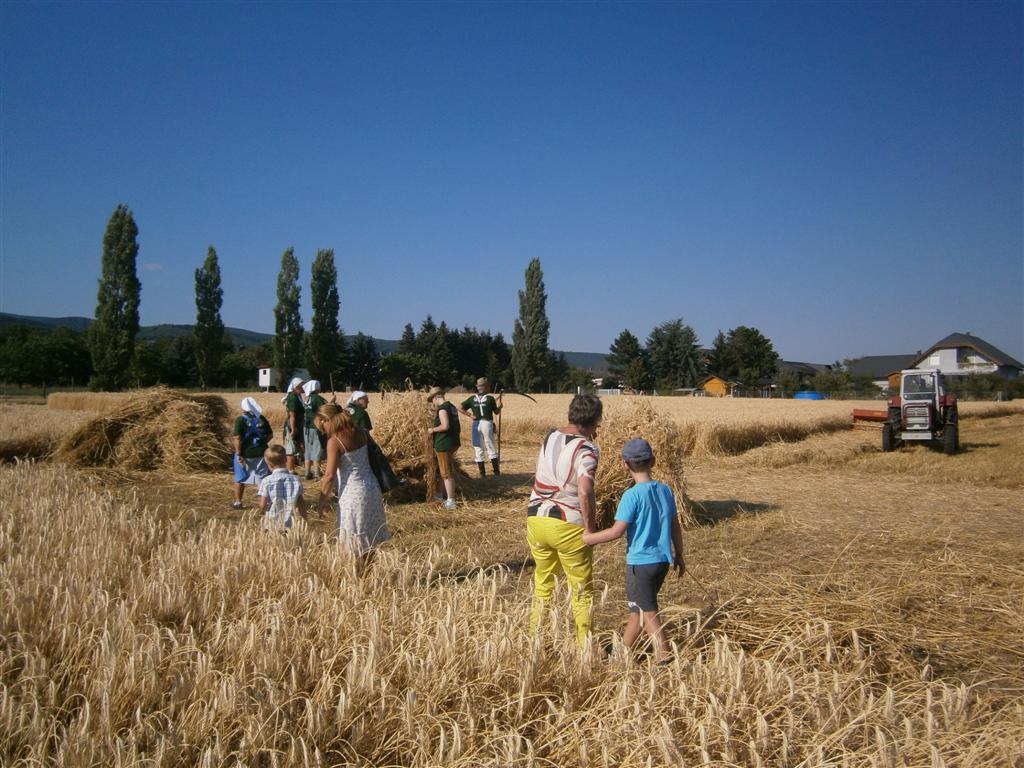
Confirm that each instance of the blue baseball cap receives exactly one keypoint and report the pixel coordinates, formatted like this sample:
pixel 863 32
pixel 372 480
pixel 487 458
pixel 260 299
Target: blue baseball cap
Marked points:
pixel 637 449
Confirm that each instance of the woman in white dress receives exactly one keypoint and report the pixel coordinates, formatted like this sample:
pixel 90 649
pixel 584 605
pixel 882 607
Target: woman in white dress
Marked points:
pixel 362 526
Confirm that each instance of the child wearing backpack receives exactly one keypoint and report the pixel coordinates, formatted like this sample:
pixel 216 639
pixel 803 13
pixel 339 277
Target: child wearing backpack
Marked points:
pixel 654 545
pixel 250 435
pixel 280 492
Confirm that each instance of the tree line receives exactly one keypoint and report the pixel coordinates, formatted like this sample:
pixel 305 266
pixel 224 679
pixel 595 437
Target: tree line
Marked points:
pixel 109 356
pixel 672 358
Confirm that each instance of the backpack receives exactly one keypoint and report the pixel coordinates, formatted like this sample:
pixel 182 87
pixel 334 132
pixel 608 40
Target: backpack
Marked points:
pixel 253 432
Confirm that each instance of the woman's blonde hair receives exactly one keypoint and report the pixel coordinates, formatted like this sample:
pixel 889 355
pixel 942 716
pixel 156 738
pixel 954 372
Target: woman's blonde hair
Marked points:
pixel 332 419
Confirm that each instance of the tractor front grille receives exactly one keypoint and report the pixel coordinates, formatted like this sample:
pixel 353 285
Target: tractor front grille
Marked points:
pixel 917 417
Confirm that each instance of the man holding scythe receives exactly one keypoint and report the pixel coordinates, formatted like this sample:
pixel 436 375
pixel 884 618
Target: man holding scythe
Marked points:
pixel 482 408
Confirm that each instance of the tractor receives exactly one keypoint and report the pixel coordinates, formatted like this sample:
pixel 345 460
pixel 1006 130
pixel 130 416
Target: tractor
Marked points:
pixel 922 411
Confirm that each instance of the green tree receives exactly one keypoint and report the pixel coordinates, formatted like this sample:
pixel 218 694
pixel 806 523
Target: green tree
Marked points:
pixel 499 360
pixel 426 337
pixel 746 355
pixel 718 357
pixel 112 335
pixel 365 362
pixel 399 369
pixel 788 381
pixel 20 359
pixel 627 361
pixel 326 354
pixel 531 357
pixel 441 361
pixel 638 374
pixel 240 368
pixel 208 333
pixel 288 330
pixel 147 364
pixel 407 344
pixel 674 354
pixel 622 352
pixel 67 356
pixel 178 360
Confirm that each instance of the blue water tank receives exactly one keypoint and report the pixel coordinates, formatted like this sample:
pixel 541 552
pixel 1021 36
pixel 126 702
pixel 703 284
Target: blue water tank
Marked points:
pixel 808 396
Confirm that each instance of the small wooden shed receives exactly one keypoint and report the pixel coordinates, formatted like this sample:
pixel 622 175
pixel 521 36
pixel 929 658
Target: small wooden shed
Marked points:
pixel 716 386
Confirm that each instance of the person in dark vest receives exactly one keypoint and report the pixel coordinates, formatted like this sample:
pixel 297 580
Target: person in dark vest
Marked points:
pixel 312 439
pixel 482 407
pixel 250 436
pixel 356 406
pixel 446 441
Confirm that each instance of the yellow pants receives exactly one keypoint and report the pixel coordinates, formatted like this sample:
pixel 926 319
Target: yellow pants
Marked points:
pixel 558 547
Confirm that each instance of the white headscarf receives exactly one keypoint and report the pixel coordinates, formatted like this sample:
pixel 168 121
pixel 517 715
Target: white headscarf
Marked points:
pixel 357 395
pixel 296 382
pixel 251 406
pixel 310 387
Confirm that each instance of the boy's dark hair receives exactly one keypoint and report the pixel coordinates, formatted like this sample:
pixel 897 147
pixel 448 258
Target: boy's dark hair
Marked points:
pixel 585 410
pixel 275 455
pixel 639 466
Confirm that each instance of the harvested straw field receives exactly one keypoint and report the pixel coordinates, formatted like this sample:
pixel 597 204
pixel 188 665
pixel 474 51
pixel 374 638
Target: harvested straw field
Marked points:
pixel 842 607
pixel 31 432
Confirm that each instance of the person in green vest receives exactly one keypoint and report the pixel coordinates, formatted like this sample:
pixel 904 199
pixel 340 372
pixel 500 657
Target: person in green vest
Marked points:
pixel 293 421
pixel 357 403
pixel 313 440
pixel 481 407
pixel 250 437
pixel 446 441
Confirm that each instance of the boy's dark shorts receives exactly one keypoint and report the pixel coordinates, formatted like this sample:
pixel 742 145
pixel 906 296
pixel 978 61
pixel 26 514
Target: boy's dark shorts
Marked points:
pixel 642 585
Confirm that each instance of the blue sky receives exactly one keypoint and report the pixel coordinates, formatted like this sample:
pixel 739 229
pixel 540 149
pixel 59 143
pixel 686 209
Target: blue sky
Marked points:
pixel 845 177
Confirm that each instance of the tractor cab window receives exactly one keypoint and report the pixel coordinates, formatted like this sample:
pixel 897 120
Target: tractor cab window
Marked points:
pixel 919 386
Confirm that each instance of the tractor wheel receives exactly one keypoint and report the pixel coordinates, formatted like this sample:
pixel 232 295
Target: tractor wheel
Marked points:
pixel 888 442
pixel 951 439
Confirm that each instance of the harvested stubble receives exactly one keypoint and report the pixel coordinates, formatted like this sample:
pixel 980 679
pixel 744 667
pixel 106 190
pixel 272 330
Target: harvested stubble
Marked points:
pixel 157 645
pixel 154 429
pixel 634 417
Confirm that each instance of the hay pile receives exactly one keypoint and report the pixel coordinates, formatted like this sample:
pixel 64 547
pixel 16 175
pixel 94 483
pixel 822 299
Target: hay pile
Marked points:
pixel 399 424
pixel 154 429
pixel 635 417
pixel 400 429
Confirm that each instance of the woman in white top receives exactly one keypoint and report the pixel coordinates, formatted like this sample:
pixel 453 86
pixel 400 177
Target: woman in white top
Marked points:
pixel 362 525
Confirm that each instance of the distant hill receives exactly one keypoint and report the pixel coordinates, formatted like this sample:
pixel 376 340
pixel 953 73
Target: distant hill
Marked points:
pixel 241 337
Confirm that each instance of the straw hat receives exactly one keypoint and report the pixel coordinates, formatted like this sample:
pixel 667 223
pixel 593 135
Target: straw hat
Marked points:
pixel 434 392
pixel 483 382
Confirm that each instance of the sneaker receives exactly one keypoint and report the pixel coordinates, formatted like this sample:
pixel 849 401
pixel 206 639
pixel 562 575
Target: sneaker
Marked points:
pixel 449 504
pixel 236 505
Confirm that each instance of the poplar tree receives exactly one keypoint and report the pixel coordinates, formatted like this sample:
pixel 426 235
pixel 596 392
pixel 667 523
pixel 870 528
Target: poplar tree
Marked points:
pixel 208 332
pixel 531 357
pixel 326 354
pixel 287 321
pixel 112 334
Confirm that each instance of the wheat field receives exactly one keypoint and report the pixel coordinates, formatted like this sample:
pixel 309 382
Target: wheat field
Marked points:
pixel 844 607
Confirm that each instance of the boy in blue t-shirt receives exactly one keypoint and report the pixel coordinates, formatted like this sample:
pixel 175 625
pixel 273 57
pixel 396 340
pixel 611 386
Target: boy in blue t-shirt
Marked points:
pixel 654 543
